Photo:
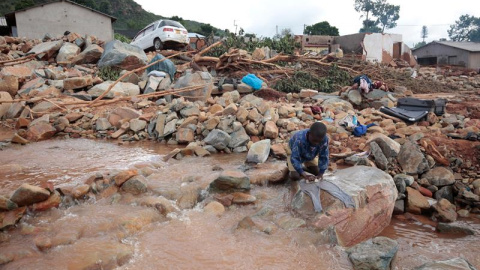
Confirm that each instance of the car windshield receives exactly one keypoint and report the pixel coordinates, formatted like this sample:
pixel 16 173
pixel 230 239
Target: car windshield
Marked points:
pixel 173 23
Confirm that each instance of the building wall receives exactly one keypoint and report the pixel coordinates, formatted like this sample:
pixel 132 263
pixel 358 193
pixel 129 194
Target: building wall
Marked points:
pixel 56 18
pixel 351 43
pixel 474 60
pixel 445 55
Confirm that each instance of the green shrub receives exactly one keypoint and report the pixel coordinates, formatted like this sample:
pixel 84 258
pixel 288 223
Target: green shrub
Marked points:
pixel 109 73
pixel 122 38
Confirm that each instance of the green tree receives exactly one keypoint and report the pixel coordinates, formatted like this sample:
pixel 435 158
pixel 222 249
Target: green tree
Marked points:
pixel 241 32
pixel 177 19
pixel 424 33
pixel 321 28
pixel 467 28
pixel 24 4
pixel 420 44
pixel 206 29
pixel 105 7
pixel 387 14
pixel 370 26
pixel 364 6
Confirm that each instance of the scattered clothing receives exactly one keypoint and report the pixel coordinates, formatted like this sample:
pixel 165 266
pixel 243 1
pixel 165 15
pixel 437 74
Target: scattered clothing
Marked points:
pixel 313 191
pixel 301 151
pixel 380 85
pixel 316 109
pixel 349 121
pixel 156 73
pixel 364 83
pixel 361 130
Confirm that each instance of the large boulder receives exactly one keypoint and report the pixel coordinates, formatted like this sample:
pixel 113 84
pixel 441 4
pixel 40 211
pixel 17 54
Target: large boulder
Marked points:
pixel 46 50
pixel 9 84
pixel 67 52
pixel 27 194
pixel 412 159
pixel 218 139
pixel 373 192
pixel 231 181
pixel 120 89
pixel 455 263
pixel 259 151
pixel 40 131
pixel 239 138
pixel 374 254
pixel 201 79
pixel 123 56
pixel 440 177
pixel 90 55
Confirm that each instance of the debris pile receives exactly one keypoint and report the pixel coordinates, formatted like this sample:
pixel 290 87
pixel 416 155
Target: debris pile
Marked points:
pixel 76 87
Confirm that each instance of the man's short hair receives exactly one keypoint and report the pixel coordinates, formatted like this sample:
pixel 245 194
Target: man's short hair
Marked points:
pixel 318 129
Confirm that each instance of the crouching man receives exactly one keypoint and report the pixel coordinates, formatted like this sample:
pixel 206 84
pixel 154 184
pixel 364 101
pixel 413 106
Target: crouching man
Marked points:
pixel 308 147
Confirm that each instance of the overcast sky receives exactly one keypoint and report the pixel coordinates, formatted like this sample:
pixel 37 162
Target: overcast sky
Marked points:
pixel 262 16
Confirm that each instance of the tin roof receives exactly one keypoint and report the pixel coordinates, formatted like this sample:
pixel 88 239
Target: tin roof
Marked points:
pixel 463 45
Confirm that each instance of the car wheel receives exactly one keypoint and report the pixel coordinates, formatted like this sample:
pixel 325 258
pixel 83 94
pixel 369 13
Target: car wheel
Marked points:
pixel 157 44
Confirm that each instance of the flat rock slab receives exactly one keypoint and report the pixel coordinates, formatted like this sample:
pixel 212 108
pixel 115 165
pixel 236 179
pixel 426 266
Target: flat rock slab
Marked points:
pixel 374 254
pixel 455 263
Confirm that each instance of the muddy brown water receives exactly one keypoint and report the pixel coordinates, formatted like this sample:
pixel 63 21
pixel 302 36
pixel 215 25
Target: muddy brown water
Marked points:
pixel 118 232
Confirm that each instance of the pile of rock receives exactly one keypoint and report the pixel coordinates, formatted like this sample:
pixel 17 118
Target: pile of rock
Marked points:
pixel 463 82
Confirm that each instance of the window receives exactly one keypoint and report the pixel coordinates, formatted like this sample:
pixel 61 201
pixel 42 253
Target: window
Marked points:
pixel 149 29
pixel 173 23
pixel 139 35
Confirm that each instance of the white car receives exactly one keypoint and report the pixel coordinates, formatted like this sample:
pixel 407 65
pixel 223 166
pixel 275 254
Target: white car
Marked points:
pixel 161 34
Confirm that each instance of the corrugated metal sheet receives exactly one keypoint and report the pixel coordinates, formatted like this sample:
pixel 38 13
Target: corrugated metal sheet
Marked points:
pixel 467 46
pixel 3 21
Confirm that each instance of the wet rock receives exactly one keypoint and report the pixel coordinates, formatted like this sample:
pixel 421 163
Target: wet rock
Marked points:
pixel 90 55
pixel 453 228
pixel 374 194
pixel 135 185
pixel 46 49
pixel 201 152
pixel 218 139
pixel 170 128
pixel 243 198
pixel 380 159
pixel 67 52
pixel 123 176
pixel 440 176
pixel 19 140
pixel 256 223
pixel 288 222
pixel 42 242
pixel 455 263
pixel 270 172
pixel 406 178
pixel 6 169
pixel 121 89
pixel 259 151
pixel 6 204
pixel 463 213
pixel 185 135
pixel 190 195
pixel 122 55
pixel 27 194
pixel 416 202
pixel 225 200
pixel 162 204
pixel 11 217
pixel 231 181
pixel 52 202
pixel 411 159
pixel 425 192
pixel 445 211
pixel 374 254
pixel 215 208
pixel 80 191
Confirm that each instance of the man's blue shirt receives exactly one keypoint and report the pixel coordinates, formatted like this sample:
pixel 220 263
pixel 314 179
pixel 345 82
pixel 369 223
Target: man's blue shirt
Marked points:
pixel 303 151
